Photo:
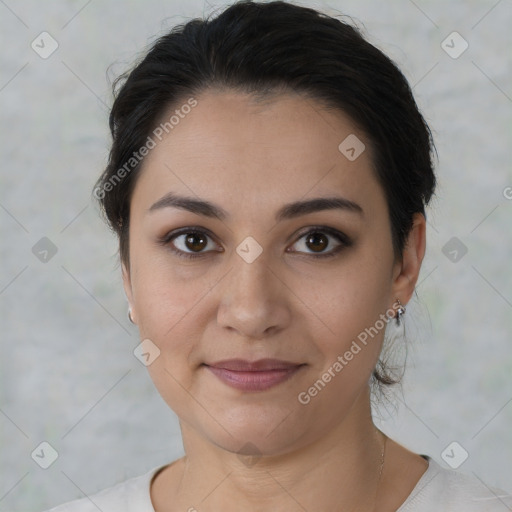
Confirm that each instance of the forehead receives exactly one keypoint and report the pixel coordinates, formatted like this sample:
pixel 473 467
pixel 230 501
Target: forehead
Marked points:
pixel 229 146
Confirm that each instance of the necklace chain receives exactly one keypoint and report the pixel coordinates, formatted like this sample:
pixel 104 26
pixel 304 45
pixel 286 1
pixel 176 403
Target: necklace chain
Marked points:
pixel 381 469
pixel 382 458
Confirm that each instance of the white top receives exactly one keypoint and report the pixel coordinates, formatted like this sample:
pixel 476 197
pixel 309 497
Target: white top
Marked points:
pixel 438 489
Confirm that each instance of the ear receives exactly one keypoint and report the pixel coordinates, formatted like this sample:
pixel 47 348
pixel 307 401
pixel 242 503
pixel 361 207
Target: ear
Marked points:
pixel 407 270
pixel 127 284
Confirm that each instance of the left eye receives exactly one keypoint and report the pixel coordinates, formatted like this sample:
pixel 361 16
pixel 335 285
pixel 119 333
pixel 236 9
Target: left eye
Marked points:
pixel 315 242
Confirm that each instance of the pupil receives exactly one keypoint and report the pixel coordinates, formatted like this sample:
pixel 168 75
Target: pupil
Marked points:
pixel 317 239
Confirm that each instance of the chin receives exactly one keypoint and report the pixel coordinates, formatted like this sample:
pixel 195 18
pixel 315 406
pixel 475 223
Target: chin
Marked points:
pixel 257 429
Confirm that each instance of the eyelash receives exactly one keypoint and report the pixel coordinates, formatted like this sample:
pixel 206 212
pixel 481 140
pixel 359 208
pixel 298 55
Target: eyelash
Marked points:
pixel 343 239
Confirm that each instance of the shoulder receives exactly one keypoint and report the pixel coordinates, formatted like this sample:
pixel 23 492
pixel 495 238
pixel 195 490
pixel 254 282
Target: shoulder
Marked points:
pixel 131 495
pixel 453 491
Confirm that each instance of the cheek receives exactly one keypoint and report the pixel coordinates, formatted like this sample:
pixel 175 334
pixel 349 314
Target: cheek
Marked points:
pixel 350 297
pixel 164 294
pixel 170 311
pixel 349 306
pixel 169 315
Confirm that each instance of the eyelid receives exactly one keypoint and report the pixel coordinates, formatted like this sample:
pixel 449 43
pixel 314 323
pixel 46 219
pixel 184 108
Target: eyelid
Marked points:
pixel 343 238
pixel 167 237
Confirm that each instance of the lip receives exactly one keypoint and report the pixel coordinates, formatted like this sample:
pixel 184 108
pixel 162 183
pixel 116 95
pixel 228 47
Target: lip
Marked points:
pixel 253 375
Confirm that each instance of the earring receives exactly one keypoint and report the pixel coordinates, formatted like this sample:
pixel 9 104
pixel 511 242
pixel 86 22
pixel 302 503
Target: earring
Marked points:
pixel 130 315
pixel 400 312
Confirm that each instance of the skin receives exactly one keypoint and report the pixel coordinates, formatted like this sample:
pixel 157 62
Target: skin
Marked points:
pixel 266 450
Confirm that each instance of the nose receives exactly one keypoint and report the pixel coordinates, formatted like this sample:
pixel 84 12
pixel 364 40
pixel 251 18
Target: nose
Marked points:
pixel 254 300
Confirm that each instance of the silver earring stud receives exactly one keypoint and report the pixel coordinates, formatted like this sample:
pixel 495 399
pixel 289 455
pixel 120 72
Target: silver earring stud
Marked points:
pixel 130 315
pixel 400 312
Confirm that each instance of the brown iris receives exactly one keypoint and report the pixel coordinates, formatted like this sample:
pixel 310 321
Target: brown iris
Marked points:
pixel 196 241
pixel 317 242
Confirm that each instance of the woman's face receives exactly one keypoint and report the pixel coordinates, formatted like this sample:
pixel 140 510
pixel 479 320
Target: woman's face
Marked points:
pixel 300 285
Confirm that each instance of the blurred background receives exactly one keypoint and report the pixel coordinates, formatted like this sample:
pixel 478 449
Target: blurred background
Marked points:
pixel 68 375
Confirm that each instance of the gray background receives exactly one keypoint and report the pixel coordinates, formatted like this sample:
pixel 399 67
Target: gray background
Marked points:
pixel 68 374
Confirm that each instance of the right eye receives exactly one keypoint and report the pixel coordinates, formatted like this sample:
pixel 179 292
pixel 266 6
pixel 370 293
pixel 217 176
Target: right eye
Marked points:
pixel 189 243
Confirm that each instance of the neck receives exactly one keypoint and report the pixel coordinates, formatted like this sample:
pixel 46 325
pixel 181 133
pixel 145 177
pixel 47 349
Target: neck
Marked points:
pixel 339 471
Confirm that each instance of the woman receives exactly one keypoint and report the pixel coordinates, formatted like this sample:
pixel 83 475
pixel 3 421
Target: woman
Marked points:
pixel 268 180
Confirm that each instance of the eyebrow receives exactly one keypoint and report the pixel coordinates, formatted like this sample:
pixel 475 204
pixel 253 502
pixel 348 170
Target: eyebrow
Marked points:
pixel 286 212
